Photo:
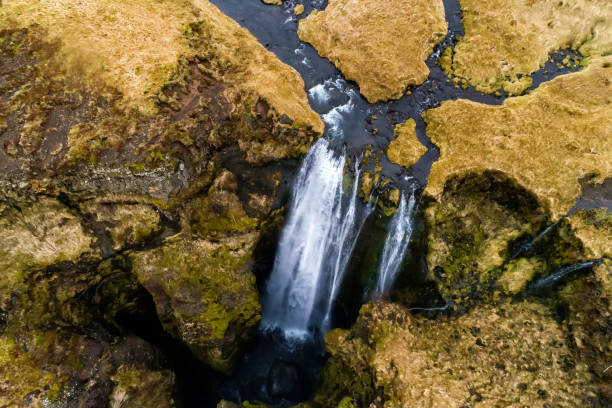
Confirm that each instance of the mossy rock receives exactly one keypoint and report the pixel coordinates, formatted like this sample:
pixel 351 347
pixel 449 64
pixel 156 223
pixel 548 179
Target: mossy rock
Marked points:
pixel 516 353
pixel 57 368
pixel 204 293
pixel 470 230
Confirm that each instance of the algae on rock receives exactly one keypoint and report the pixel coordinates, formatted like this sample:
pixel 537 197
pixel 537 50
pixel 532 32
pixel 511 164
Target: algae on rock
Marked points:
pixel 507 40
pixel 381 46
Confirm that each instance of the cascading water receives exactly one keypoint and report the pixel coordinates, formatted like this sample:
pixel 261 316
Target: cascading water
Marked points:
pixel 315 245
pixel 395 245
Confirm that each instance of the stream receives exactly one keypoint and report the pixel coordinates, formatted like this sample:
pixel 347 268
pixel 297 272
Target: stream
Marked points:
pixel 326 220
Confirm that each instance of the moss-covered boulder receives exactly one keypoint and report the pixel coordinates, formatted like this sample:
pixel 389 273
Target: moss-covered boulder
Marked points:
pixel 35 236
pixel 56 368
pixel 204 293
pixel 506 41
pixel 514 354
pixel 382 47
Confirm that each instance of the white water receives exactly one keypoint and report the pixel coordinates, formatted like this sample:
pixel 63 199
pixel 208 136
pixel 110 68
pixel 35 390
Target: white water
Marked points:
pixel 315 245
pixel 395 245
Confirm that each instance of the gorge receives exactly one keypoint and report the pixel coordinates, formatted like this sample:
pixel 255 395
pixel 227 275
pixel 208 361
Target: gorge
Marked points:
pixel 222 218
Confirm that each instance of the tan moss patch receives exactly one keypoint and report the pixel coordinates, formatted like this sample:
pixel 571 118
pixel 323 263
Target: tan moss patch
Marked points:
pixel 38 235
pixel 259 70
pixel 488 357
pixel 594 229
pixel 505 39
pixel 547 141
pixel 133 45
pixel 130 224
pixel 136 47
pixel 381 46
pixel 517 274
pixel 406 149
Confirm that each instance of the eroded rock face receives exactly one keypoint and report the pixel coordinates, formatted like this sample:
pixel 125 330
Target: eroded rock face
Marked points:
pixel 546 141
pixel 514 354
pixel 506 41
pixel 381 46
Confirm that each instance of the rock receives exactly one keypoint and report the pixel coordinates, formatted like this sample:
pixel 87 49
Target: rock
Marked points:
pixel 589 318
pixel 594 229
pixel 127 224
pixel 285 381
pixel 507 355
pixel 382 47
pixel 405 149
pixel 35 236
pixel 136 387
pixel 505 41
pixel 204 293
pixel 537 139
pixel 298 10
pixel 55 368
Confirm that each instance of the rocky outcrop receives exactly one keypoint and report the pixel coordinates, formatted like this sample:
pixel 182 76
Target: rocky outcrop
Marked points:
pixel 58 368
pixel 382 47
pixel 141 151
pixel 588 303
pixel 487 357
pixel 506 41
pixel 546 141
pixel 205 294
pixel 405 149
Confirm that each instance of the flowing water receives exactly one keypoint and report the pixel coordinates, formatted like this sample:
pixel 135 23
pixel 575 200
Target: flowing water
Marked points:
pixel 325 218
pixel 395 245
pixel 315 245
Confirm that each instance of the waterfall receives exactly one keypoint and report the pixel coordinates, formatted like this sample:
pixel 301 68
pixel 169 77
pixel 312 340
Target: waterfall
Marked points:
pixel 395 245
pixel 315 245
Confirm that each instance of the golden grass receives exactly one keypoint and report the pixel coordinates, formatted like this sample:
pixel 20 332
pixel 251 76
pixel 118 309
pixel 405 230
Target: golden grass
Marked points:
pixel 505 39
pixel 135 46
pixel 406 149
pixel 547 140
pixel 380 45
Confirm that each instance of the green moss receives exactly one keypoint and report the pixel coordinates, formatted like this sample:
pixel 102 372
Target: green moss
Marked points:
pixel 205 294
pixel 517 273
